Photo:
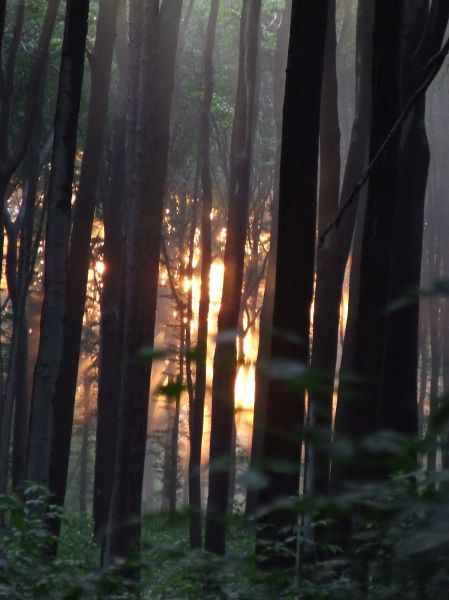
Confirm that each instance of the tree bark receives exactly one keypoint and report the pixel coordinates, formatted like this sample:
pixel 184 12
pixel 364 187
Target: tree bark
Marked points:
pixel 294 291
pixel 197 420
pixel 84 452
pixel 225 359
pixel 160 36
pixel 10 160
pixel 370 414
pixel 266 316
pixel 80 252
pixel 328 291
pixel 57 241
pixel 111 320
pixel 400 369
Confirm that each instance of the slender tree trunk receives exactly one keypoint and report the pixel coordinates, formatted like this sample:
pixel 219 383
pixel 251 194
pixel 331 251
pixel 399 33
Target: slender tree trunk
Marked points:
pixel 57 241
pixel 294 291
pixel 373 297
pixel 174 444
pixel 424 370
pixel 327 294
pixel 80 253
pixel 160 37
pixel 435 345
pixel 333 256
pixel 266 317
pixel 84 452
pixel 196 433
pixel 26 264
pixel 111 326
pixel 225 360
pixel 10 160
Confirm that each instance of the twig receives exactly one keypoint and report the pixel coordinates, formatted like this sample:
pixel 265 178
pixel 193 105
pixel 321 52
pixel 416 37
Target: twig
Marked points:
pixel 432 68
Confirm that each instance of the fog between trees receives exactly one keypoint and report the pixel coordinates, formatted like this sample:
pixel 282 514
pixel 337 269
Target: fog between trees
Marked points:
pixel 224 268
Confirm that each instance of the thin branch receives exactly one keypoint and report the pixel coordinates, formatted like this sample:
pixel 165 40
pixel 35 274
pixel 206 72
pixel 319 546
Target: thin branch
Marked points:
pixel 177 299
pixel 432 68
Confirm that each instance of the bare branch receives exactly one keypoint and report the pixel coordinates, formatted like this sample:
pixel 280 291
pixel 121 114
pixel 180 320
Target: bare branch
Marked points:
pixel 431 70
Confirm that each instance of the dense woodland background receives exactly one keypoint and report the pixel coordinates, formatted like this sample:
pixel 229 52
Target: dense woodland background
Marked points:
pixel 224 360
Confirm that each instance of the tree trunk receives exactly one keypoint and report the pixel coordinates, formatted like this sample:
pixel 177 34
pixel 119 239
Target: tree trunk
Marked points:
pixel 84 452
pixel 174 445
pixel 333 256
pixel 266 316
pixel 111 321
pixel 327 294
pixel 400 369
pixel 225 360
pixel 80 253
pixel 143 239
pixel 11 159
pixel 294 291
pixel 57 241
pixel 196 433
pixel 18 273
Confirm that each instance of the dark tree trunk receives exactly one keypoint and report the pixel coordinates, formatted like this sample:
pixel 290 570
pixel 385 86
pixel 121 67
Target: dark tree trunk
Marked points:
pixel 174 442
pixel 370 322
pixel 18 272
pixel 399 378
pixel 327 294
pixel 111 297
pixel 159 43
pixel 84 452
pixel 196 433
pixel 294 291
pixel 26 264
pixel 225 360
pixel 80 254
pixel 11 159
pixel 435 371
pixel 333 256
pixel 57 242
pixel 424 366
pixel 266 316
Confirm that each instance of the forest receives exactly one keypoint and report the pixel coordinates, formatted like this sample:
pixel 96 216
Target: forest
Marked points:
pixel 224 299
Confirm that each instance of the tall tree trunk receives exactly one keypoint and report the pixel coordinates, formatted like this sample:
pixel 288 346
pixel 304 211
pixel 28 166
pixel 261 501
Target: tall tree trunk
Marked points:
pixel 196 433
pixel 26 264
pixel 84 451
pixel 370 323
pixel 294 291
pixel 266 316
pixel 143 239
pixel 10 161
pixel 57 241
pixel 399 377
pixel 174 443
pixel 111 298
pixel 80 253
pixel 333 256
pixel 327 294
pixel 225 360
pixel 435 345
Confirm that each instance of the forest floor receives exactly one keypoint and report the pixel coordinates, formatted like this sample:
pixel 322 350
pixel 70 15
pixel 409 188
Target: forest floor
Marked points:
pixel 171 569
